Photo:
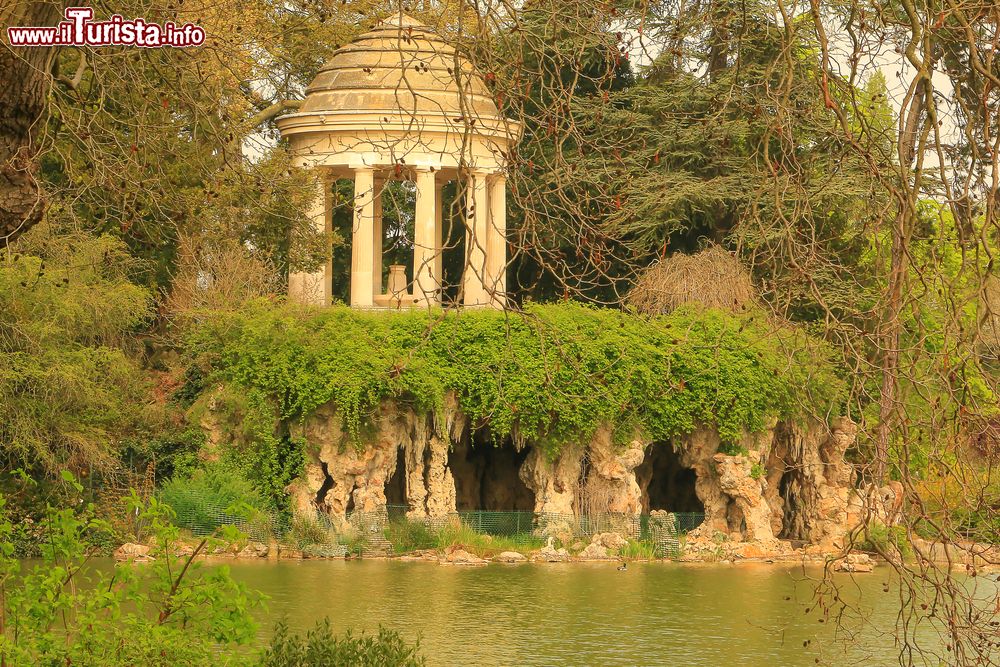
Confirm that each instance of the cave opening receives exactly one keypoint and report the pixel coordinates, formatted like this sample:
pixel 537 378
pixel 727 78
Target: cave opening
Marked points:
pixel 790 490
pixel 486 474
pixel 324 489
pixel 395 486
pixel 665 483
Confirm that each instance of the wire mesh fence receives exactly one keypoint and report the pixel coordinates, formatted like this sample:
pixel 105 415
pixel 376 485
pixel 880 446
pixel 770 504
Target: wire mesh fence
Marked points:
pixel 204 519
pixel 395 529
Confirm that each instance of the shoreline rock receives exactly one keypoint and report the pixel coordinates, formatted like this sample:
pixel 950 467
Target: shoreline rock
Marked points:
pixel 510 557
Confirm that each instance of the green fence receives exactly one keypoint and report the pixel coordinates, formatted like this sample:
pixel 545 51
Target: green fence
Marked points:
pixel 661 531
pixel 391 530
pixel 203 517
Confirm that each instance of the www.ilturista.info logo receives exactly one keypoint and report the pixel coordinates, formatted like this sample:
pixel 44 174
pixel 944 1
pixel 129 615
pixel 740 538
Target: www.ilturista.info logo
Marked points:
pixel 79 30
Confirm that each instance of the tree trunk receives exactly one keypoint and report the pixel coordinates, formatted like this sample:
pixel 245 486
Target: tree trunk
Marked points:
pixel 24 88
pixel 718 49
pixel 891 328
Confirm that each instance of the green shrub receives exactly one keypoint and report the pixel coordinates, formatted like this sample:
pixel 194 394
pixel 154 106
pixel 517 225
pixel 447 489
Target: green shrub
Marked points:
pixel 171 611
pixel 322 648
pixel 407 536
pixel 638 550
pixel 69 392
pixel 213 496
pixel 305 531
pixel 879 538
pixel 663 375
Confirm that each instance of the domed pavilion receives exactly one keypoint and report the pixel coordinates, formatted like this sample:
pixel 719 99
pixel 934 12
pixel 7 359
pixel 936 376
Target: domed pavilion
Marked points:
pixel 400 103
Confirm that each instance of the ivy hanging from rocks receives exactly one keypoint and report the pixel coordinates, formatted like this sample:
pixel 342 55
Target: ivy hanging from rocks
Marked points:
pixel 550 375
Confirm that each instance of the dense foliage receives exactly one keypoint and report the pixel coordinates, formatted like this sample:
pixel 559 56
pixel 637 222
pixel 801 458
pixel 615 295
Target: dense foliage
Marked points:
pixel 550 375
pixel 171 610
pixel 211 496
pixel 65 611
pixel 321 648
pixel 68 387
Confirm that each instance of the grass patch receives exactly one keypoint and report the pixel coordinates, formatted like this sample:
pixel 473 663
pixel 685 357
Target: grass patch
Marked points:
pixel 638 550
pixel 305 531
pixel 483 545
pixel 407 536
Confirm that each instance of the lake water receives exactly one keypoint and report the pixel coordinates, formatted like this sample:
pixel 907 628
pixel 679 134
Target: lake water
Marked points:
pixel 590 613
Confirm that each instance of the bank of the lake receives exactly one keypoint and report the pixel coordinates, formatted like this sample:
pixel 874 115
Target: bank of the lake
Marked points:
pixel 591 613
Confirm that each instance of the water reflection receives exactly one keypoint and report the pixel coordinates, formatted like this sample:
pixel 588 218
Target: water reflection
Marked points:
pixel 587 614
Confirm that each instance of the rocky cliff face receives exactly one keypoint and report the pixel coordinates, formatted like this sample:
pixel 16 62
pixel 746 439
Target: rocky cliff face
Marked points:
pixel 792 483
pixel 340 476
pixel 789 482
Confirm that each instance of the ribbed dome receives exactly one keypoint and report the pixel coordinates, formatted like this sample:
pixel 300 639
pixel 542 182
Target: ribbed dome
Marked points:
pixel 401 67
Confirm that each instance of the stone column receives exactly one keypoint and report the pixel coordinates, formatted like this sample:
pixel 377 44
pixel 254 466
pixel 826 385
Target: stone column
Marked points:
pixel 439 232
pixel 314 288
pixel 378 238
pixel 425 248
pixel 476 235
pixel 363 238
pixel 496 244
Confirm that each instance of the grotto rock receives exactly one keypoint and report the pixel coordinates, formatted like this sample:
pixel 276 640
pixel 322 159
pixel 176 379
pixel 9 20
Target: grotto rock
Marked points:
pixel 133 552
pixel 611 541
pixel 457 556
pixel 348 476
pixel 820 499
pixel 736 480
pixel 549 554
pixel 594 551
pixel 611 485
pixel 855 563
pixel 254 550
pixel 805 492
pixel 554 483
pixel 887 504
pixel 558 528
pixel 339 476
pixel 696 452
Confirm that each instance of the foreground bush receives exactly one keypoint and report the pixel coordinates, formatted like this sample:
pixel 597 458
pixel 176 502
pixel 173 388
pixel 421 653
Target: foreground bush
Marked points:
pixel 321 648
pixel 170 611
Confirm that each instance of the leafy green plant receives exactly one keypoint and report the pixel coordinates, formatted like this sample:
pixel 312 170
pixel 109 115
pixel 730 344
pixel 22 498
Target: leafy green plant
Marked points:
pixel 757 471
pixel 170 611
pixel 320 647
pixel 406 536
pixel 213 496
pixel 882 539
pixel 638 550
pixel 663 375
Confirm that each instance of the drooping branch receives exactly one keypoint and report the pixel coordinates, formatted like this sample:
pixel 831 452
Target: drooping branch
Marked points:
pixel 273 111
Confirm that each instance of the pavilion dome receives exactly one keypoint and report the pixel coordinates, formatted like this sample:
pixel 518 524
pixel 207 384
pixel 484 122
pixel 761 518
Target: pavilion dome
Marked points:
pixel 402 68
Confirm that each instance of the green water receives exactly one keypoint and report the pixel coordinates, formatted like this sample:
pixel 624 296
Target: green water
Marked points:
pixel 591 614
